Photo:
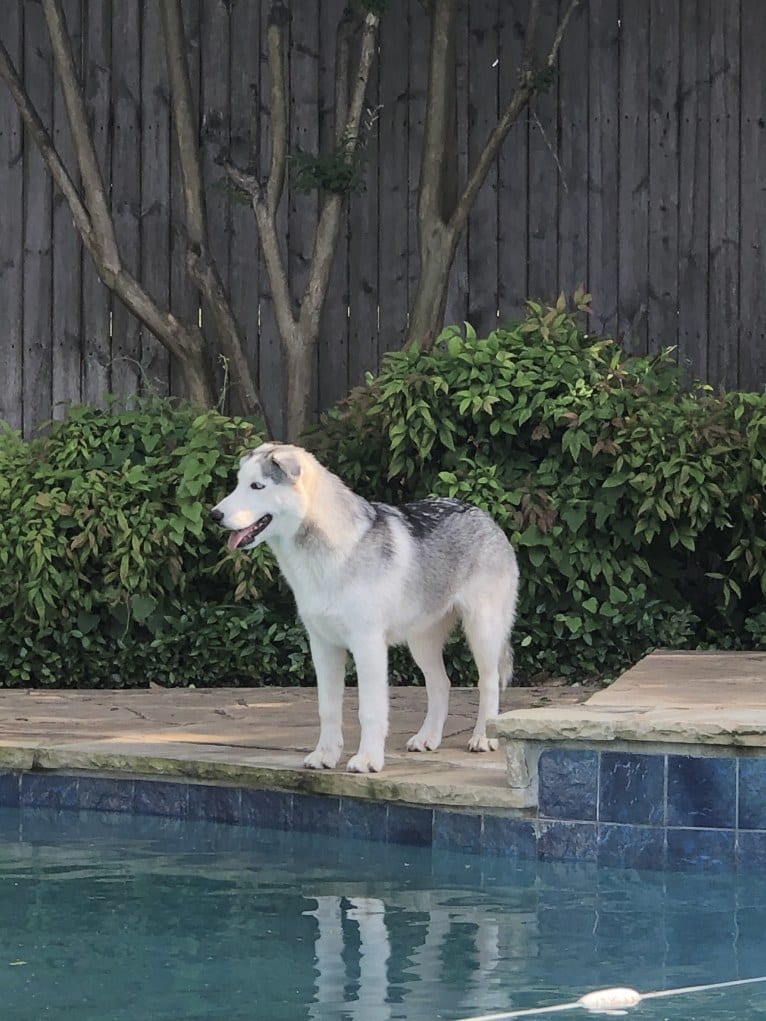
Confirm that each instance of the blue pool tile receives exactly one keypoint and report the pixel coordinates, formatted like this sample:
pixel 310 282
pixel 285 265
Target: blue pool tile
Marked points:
pixel 10 785
pixel 508 838
pixel 752 794
pixel 568 784
pixel 707 850
pixel 631 847
pixel 160 797
pixel 269 809
pixel 363 820
pixel 105 794
pixel 219 804
pixel 457 831
pixel 48 790
pixel 313 814
pixel 751 851
pixel 632 788
pixel 406 825
pixel 702 792
pixel 10 824
pixel 567 841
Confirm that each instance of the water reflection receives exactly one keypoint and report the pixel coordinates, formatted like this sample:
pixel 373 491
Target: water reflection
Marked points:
pixel 117 918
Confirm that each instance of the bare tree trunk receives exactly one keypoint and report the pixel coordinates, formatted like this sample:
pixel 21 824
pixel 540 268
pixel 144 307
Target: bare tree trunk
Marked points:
pixel 200 263
pixel 299 330
pixel 427 311
pixel 93 219
pixel 442 215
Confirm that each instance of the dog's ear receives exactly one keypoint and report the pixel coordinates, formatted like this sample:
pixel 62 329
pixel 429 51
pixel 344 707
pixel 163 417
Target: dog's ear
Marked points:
pixel 287 463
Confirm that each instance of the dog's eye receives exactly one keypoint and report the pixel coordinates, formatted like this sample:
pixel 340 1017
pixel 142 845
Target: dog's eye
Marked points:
pixel 256 485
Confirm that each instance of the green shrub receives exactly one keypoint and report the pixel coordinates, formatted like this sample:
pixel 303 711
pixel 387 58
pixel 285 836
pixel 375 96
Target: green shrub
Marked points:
pixel 109 573
pixel 637 509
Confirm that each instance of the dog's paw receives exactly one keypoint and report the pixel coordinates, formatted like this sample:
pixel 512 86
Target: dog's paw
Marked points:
pixel 323 758
pixel 482 744
pixel 423 742
pixel 363 762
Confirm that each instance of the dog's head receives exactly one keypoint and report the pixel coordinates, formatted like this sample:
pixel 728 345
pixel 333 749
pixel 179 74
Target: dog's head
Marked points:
pixel 267 500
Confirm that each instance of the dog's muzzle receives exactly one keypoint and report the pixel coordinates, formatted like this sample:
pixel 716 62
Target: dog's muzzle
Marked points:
pixel 242 536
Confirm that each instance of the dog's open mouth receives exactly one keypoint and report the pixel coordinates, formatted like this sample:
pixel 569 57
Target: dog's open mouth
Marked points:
pixel 244 536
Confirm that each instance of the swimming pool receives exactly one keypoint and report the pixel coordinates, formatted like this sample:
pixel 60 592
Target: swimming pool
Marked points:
pixel 105 917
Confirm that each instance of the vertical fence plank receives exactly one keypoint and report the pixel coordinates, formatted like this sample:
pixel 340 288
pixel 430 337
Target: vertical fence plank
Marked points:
pixel 96 298
pixel 633 199
pixel 483 74
pixel 543 176
pixel 363 260
pixel 392 179
pixel 332 350
pixel 214 135
pixel 244 255
pixel 12 165
pixel 663 174
pixel 513 171
pixel 752 357
pixel 67 254
pixel 694 187
pixel 419 39
pixel 184 299
pixel 724 295
pixel 38 77
pixel 303 92
pixel 456 305
pixel 155 190
pixel 126 187
pixel 603 89
pixel 273 371
pixel 573 156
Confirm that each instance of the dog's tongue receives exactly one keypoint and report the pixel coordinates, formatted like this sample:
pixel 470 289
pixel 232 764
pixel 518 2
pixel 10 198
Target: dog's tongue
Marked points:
pixel 235 538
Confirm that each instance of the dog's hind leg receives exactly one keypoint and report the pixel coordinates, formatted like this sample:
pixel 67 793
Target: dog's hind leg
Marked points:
pixel 426 648
pixel 330 665
pixel 488 640
pixel 371 658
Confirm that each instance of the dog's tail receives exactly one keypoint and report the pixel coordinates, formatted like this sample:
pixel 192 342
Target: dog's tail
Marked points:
pixel 505 668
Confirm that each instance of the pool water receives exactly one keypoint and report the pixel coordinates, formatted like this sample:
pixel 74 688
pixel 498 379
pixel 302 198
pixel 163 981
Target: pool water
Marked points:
pixel 106 917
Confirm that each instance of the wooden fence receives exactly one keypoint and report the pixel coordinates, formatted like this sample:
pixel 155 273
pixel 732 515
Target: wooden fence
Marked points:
pixel 642 173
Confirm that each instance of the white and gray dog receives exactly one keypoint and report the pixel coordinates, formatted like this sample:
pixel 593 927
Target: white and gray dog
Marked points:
pixel 366 576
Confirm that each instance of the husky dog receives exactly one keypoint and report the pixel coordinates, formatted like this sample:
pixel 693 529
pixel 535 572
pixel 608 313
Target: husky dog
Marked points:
pixel 366 576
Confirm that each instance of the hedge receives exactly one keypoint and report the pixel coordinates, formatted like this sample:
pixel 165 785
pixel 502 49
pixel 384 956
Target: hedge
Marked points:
pixel 636 507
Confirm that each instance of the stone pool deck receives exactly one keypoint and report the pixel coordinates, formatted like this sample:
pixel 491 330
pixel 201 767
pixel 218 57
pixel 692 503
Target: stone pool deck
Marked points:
pixel 257 737
pixel 689 703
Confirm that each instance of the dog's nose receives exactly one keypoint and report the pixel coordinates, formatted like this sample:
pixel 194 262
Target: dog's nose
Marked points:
pixel 216 515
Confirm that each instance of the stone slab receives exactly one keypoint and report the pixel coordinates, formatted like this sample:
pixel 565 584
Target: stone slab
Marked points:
pixel 256 737
pixel 668 698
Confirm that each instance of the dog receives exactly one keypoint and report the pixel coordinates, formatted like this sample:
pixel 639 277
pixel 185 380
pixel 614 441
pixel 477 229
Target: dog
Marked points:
pixel 366 576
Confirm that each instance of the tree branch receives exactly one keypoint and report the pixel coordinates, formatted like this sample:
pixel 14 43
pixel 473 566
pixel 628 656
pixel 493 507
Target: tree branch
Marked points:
pixel 241 179
pixel 199 260
pixel 184 120
pixel 342 48
pixel 90 172
pixel 522 94
pixel 443 14
pixel 350 137
pixel 328 227
pixel 278 20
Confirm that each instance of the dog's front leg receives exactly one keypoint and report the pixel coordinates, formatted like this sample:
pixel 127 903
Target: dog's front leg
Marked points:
pixel 371 658
pixel 330 666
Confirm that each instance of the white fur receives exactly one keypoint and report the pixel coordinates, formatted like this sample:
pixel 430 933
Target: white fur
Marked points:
pixel 362 581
